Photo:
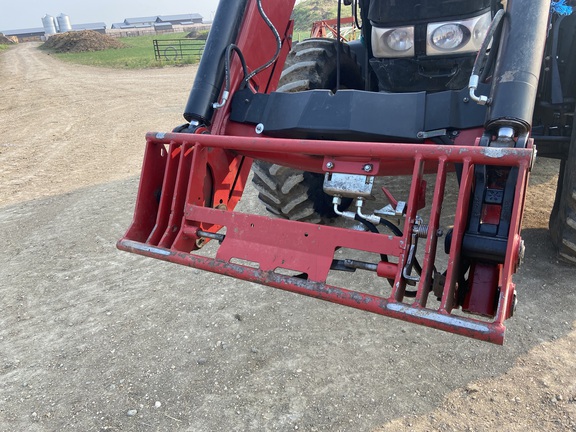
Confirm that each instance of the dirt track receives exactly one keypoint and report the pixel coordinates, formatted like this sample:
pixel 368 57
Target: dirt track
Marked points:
pixel 92 339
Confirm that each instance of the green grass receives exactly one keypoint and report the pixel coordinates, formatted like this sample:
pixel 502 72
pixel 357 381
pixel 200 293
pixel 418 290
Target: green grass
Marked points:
pixel 299 36
pixel 309 11
pixel 4 47
pixel 138 54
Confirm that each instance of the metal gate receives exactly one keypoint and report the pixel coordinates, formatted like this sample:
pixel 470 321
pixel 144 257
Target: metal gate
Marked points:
pixel 178 49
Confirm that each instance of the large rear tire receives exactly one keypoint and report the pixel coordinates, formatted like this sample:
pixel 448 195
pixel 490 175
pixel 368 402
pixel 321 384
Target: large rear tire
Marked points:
pixel 287 192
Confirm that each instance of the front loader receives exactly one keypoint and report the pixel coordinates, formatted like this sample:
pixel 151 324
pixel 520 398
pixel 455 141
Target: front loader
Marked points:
pixel 437 95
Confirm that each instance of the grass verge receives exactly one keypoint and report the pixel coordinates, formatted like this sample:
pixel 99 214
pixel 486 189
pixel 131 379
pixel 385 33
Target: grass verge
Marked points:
pixel 4 47
pixel 138 54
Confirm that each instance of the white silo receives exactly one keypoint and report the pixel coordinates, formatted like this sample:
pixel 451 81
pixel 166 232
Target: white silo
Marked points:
pixel 64 23
pixel 49 24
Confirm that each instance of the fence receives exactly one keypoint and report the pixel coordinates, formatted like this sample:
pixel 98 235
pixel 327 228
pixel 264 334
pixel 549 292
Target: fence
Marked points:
pixel 178 49
pixel 144 31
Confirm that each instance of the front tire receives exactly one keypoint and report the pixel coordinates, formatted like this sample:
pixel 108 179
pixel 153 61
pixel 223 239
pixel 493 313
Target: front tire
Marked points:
pixel 287 192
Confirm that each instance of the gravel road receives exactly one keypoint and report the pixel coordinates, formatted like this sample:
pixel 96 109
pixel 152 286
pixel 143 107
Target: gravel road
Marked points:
pixel 93 339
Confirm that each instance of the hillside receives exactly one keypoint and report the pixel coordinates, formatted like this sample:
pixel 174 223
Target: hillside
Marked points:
pixel 308 11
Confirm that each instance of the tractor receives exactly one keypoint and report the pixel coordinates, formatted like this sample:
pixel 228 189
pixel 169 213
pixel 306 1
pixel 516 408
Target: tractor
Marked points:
pixel 437 95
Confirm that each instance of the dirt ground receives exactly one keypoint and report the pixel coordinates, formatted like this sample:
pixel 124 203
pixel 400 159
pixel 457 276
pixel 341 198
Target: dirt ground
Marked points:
pixel 93 339
pixel 81 41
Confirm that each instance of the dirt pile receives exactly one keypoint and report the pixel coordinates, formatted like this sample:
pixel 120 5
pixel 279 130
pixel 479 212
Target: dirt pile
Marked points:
pixel 5 41
pixel 198 33
pixel 81 41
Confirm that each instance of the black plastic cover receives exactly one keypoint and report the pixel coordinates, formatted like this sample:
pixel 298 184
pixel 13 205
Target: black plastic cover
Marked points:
pixel 386 12
pixel 355 114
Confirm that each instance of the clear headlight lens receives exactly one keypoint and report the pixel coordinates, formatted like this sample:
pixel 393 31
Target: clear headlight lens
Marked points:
pixel 457 37
pixel 452 37
pixel 448 37
pixel 401 39
pixel 393 42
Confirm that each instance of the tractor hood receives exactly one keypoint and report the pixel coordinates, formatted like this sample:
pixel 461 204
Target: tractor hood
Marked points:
pixel 392 12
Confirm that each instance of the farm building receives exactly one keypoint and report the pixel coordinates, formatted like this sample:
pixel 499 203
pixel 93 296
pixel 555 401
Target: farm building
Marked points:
pixel 39 33
pixel 159 21
pixel 100 27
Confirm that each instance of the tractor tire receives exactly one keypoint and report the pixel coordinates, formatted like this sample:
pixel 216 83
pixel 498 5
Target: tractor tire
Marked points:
pixel 563 216
pixel 290 193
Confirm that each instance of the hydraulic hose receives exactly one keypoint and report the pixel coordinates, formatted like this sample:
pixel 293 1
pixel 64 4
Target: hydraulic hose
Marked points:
pixel 481 60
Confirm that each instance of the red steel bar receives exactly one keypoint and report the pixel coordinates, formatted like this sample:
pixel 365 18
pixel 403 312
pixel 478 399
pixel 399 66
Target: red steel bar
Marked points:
pixel 382 151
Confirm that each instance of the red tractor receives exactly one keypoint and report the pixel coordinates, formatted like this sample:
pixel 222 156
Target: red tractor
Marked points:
pixel 448 94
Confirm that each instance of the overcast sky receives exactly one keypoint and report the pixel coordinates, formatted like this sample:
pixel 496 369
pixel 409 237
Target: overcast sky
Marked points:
pixel 19 14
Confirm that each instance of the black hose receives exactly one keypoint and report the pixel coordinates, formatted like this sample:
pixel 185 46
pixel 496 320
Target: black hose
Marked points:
pixel 372 228
pixel 369 225
pixel 481 61
pixel 235 48
pixel 229 50
pixel 355 13
pixel 397 232
pixel 278 44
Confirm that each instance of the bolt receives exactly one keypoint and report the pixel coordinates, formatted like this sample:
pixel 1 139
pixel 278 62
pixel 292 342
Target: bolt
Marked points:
pixel 329 165
pixel 466 100
pixel 259 128
pixel 368 168
pixel 420 135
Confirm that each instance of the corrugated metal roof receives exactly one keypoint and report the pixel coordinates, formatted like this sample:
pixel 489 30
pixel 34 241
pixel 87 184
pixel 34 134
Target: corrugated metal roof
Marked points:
pixel 140 20
pixel 89 26
pixel 185 17
pixel 39 30
pixel 162 18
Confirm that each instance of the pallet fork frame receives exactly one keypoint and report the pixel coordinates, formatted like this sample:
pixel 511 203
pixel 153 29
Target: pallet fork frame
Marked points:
pixel 187 194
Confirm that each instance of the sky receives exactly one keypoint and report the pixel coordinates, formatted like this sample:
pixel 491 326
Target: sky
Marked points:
pixel 21 14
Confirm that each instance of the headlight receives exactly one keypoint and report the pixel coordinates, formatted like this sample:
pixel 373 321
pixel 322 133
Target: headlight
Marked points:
pixel 457 37
pixel 393 42
pixel 401 40
pixel 449 37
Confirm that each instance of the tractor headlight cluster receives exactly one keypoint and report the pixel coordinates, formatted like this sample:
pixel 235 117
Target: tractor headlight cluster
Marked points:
pixel 457 37
pixel 442 38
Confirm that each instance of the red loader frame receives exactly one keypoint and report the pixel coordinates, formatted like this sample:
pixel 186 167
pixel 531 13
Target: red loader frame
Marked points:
pixel 191 183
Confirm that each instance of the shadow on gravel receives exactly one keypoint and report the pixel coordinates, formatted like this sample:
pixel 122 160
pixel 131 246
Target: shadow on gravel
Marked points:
pixel 95 339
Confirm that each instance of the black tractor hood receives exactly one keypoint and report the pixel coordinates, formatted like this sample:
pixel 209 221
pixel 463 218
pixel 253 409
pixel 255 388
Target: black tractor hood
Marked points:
pixel 393 12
